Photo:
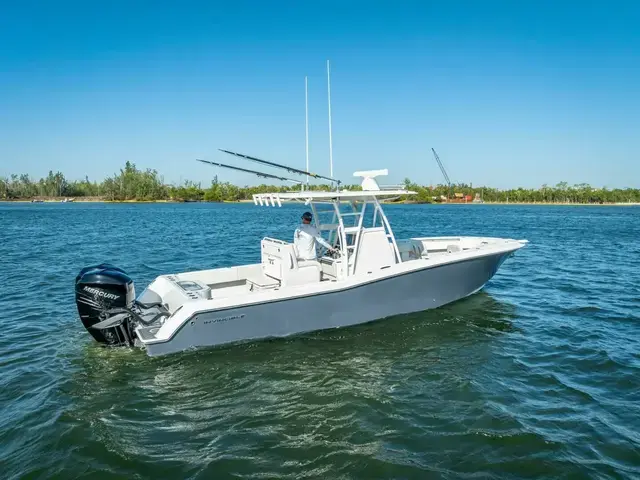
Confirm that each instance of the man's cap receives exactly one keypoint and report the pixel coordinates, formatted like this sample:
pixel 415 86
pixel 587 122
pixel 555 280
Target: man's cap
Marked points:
pixel 307 216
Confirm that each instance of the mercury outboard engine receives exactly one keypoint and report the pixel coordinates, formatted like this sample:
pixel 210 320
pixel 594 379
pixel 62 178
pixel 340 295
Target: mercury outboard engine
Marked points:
pixel 105 295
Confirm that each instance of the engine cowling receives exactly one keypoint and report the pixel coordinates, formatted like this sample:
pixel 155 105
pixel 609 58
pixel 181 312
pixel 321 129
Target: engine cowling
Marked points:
pixel 102 292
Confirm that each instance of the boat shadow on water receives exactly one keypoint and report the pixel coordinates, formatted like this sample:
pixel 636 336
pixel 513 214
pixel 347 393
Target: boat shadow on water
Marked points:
pixel 469 323
pixel 121 399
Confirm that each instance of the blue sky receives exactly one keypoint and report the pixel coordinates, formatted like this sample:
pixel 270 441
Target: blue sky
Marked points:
pixel 509 93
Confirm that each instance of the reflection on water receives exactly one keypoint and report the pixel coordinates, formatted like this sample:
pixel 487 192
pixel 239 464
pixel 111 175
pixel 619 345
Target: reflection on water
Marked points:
pixel 360 351
pixel 303 392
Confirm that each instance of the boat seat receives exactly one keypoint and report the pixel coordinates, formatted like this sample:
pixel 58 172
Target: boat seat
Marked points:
pixel 308 271
pixel 410 249
pixel 260 281
pixel 280 261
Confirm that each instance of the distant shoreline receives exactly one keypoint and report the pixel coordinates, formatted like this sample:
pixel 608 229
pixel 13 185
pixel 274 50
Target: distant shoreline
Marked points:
pixel 85 200
pixel 132 182
pixel 102 200
pixel 553 204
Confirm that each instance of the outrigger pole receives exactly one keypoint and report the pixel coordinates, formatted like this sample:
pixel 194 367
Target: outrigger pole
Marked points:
pixel 278 165
pixel 254 172
pixel 329 98
pixel 306 126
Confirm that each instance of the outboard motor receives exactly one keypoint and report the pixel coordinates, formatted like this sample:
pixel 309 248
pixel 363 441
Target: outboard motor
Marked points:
pixel 105 295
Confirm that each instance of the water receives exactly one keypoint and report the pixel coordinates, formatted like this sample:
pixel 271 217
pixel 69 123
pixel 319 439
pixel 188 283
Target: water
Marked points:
pixel 536 376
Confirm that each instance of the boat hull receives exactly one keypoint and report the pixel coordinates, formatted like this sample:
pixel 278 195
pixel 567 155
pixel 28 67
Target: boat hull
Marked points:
pixel 412 291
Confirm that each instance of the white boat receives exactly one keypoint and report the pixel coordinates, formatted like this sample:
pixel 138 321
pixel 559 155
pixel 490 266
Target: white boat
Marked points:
pixel 372 276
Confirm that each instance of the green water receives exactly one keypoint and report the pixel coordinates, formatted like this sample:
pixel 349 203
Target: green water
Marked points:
pixel 537 376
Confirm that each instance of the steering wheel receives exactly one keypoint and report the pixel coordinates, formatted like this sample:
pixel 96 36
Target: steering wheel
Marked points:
pixel 332 254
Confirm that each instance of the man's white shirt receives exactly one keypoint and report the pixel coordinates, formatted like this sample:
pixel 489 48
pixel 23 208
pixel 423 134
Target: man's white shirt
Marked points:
pixel 305 238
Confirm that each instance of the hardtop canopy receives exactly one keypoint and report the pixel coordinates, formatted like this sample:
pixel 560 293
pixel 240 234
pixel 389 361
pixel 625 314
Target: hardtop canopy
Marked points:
pixel 320 196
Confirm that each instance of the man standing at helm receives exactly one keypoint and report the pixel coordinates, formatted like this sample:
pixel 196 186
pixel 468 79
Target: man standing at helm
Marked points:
pixel 305 238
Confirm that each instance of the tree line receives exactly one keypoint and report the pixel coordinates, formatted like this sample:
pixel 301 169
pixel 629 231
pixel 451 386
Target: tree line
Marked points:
pixel 131 183
pixel 559 193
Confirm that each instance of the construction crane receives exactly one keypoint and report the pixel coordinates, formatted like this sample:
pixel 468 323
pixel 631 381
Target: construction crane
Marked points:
pixel 444 172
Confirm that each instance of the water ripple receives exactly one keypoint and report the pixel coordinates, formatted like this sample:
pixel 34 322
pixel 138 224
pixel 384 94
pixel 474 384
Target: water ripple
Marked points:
pixel 536 376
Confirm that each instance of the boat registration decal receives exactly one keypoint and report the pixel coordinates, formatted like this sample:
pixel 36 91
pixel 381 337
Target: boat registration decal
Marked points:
pixel 223 319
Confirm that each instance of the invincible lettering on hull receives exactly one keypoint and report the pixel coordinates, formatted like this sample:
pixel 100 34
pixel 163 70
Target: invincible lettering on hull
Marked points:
pixel 223 319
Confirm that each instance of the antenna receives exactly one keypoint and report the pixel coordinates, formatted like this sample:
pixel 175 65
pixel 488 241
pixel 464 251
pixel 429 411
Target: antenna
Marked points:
pixel 279 165
pixel 330 142
pixel 306 125
pixel 254 172
pixel 369 181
